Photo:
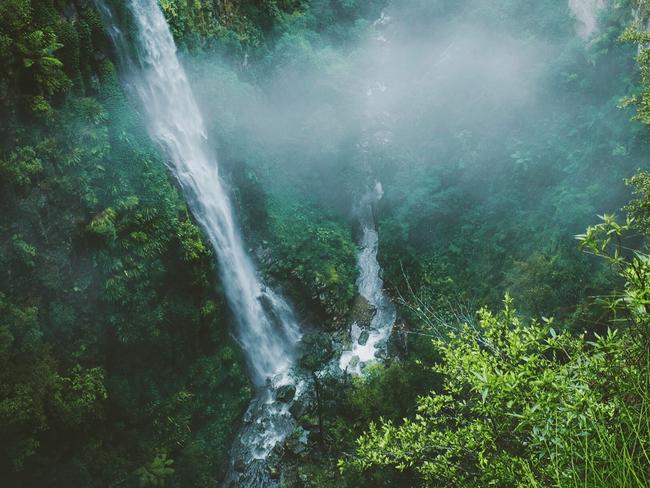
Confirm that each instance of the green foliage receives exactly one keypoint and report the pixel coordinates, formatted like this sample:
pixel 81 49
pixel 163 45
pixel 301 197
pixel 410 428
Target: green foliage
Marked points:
pixel 20 167
pixel 113 332
pixel 80 396
pixel 637 34
pixel 28 377
pixel 639 208
pixel 542 282
pixel 28 53
pixel 522 403
pixel 156 472
pixel 473 192
pixel 314 251
pixel 388 391
pixel 114 356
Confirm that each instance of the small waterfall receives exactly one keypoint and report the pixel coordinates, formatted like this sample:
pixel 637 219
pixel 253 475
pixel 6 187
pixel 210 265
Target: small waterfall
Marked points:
pixel 266 327
pixel 586 14
pixel 369 342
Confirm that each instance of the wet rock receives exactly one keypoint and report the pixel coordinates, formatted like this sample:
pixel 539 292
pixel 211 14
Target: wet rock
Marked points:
pixel 249 415
pixel 297 443
pixel 363 338
pixel 266 303
pixel 285 393
pixel 299 408
pixel 276 453
pixel 362 311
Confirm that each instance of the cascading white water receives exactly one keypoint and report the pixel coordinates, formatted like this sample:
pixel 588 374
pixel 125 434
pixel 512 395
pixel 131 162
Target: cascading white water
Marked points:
pixel 586 13
pixel 371 287
pixel 368 344
pixel 267 330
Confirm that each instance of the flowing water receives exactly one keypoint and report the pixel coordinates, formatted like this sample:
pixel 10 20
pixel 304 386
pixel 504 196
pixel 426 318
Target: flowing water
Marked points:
pixel 586 14
pixel 266 327
pixel 369 341
pixel 368 344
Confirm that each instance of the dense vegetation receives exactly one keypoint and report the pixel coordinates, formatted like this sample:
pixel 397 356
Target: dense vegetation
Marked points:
pixel 115 352
pixel 116 363
pixel 528 404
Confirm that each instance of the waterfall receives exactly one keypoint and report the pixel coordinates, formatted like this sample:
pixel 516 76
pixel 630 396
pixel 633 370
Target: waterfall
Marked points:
pixel 266 327
pixel 368 344
pixel 586 14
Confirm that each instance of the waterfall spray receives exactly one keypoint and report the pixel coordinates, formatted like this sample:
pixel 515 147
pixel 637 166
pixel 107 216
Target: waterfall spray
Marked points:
pixel 586 14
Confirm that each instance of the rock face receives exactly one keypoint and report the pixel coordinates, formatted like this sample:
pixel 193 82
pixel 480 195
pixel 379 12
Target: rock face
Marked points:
pixel 362 311
pixel 298 444
pixel 285 393
pixel 363 338
pixel 298 408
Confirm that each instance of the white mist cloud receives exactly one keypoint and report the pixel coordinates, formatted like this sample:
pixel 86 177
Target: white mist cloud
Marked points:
pixel 586 13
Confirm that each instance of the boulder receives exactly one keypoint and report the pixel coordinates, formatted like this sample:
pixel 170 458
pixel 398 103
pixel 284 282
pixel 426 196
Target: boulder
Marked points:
pixel 299 408
pixel 285 393
pixel 297 443
pixel 362 311
pixel 363 338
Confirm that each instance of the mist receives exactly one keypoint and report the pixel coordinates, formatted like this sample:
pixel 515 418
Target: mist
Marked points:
pixel 457 89
pixel 244 240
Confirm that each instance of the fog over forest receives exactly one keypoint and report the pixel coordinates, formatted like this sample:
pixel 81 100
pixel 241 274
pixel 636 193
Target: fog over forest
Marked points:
pixel 325 243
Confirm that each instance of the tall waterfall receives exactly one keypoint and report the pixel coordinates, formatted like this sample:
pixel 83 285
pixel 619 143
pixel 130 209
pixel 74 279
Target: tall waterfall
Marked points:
pixel 266 328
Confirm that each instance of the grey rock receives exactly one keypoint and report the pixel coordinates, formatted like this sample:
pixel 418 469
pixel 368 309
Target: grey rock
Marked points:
pixel 297 443
pixel 285 393
pixel 362 311
pixel 299 408
pixel 363 338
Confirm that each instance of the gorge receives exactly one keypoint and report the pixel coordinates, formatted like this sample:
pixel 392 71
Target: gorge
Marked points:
pixel 324 243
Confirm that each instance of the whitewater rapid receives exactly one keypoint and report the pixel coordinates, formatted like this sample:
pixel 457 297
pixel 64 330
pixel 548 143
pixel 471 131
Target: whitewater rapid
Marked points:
pixel 369 342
